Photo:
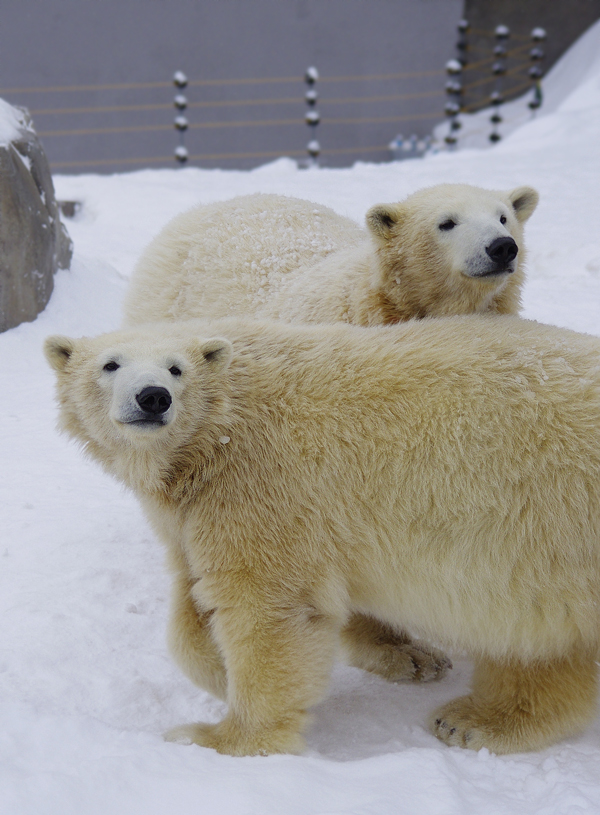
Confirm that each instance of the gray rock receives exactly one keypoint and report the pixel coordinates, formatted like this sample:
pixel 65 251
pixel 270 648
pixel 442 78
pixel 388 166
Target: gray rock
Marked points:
pixel 33 241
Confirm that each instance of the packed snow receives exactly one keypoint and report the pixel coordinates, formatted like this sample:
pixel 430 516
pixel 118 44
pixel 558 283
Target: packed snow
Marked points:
pixel 87 685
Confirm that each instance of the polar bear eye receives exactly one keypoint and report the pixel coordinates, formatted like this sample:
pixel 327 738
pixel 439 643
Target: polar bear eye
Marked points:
pixel 503 219
pixel 446 226
pixel 111 366
pixel 174 370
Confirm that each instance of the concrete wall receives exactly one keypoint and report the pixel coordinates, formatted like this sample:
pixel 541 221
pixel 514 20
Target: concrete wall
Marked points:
pixel 97 76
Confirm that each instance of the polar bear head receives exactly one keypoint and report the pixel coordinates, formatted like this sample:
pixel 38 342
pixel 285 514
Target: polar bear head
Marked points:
pixel 144 389
pixel 452 248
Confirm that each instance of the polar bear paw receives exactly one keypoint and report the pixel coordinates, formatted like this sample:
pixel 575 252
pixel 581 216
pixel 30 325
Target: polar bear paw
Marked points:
pixel 459 725
pixel 228 738
pixel 411 661
pixel 417 661
pixel 393 654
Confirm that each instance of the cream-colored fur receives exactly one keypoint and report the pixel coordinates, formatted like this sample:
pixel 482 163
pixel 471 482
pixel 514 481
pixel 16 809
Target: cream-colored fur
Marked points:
pixel 439 476
pixel 269 256
pixel 285 258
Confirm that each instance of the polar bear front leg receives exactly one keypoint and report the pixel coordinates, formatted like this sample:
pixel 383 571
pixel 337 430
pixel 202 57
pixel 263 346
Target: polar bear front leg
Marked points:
pixel 380 649
pixel 278 665
pixel 517 707
pixel 191 640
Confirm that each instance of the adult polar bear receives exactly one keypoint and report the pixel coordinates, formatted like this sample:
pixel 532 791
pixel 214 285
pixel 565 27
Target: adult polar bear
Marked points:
pixel 448 249
pixel 441 475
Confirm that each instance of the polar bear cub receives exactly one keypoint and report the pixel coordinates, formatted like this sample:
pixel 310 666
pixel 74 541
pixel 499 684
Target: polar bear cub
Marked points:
pixel 439 476
pixel 447 249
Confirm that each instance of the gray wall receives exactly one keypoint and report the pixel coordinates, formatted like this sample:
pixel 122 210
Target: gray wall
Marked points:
pixel 60 58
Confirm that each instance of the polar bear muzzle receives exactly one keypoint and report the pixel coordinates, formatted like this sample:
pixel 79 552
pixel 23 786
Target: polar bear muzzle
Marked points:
pixel 145 409
pixel 502 252
pixel 154 401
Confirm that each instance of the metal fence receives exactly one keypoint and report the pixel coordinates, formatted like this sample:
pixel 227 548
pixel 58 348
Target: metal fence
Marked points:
pixel 231 122
pixel 244 122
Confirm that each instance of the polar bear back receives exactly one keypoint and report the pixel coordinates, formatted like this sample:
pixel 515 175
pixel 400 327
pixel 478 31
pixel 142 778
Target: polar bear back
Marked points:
pixel 234 257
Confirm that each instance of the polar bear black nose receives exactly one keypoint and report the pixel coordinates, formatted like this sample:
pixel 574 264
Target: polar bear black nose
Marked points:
pixel 502 250
pixel 154 400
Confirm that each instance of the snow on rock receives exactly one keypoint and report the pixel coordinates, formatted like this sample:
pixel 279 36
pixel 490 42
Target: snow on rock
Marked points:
pixel 86 684
pixel 13 121
pixel 33 241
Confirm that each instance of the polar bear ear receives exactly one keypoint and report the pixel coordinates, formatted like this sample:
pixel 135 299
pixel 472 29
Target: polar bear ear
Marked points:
pixel 218 352
pixel 58 351
pixel 524 200
pixel 382 219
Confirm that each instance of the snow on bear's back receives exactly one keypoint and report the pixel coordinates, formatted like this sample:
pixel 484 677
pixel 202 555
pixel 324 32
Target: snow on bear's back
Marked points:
pixel 255 242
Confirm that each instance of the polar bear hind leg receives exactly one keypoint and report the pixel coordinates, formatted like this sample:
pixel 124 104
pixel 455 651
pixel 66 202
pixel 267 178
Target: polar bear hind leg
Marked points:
pixel 392 654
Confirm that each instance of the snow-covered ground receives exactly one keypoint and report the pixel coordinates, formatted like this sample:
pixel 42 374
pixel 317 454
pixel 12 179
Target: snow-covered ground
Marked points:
pixel 86 684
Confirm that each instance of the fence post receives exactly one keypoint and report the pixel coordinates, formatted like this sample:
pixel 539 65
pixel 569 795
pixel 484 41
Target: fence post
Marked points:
pixel 312 116
pixel 180 123
pixel 454 89
pixel 462 46
pixel 536 72
pixel 502 33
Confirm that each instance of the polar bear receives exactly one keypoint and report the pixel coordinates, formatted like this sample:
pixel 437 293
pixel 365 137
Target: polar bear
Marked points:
pixel 447 249
pixel 299 474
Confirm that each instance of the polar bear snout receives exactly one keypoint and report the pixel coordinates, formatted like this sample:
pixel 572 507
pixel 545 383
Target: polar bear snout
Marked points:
pixel 142 407
pixel 154 401
pixel 502 252
pixel 147 407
